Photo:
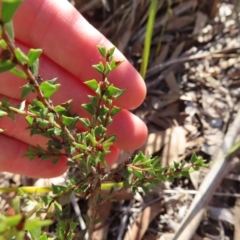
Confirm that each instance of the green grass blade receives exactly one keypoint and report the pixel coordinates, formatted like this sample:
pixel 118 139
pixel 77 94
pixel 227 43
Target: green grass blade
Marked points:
pixel 148 37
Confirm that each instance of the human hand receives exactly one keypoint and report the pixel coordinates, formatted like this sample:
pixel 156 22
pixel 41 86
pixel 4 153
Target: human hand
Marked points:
pixel 69 50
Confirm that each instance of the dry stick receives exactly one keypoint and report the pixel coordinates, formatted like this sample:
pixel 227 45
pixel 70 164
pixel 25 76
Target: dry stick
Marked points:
pixel 215 175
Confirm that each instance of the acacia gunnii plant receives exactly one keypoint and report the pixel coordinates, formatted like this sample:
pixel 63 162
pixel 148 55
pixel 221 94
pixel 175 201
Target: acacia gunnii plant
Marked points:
pixel 85 150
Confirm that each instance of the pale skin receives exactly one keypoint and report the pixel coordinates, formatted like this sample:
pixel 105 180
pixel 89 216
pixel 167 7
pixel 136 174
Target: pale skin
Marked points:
pixel 69 45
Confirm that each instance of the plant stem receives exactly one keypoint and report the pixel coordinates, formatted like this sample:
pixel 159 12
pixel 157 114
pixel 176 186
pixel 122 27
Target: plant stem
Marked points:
pixel 94 201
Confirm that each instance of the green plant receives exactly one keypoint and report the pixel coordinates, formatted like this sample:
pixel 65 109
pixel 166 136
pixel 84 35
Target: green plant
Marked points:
pixel 148 37
pixel 85 150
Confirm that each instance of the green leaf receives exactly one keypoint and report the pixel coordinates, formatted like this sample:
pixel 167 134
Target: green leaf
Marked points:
pixel 94 100
pixel 114 64
pixel 93 84
pixel 53 81
pixel 176 165
pixel 111 51
pixel 36 132
pixel 20 55
pixel 170 178
pixel 40 150
pixel 46 157
pixel 99 130
pixel 81 146
pixel 108 69
pixel 148 161
pixel 67 105
pixel 99 67
pixel 55 131
pixel 48 88
pixel 61 110
pixel 139 158
pixel 145 189
pixel 99 91
pixel 115 110
pixel 185 174
pixel 109 121
pixel 29 120
pixel 42 123
pixel 18 73
pixel 51 117
pixel 183 162
pixel 89 108
pixel 102 50
pixel 57 204
pixel 69 121
pixel 134 190
pixel 55 160
pixel 44 237
pixel 9 7
pixel 13 220
pixel 35 233
pixel 33 55
pixel 38 104
pixel 199 161
pixel 43 112
pixel 9 29
pixel 3 113
pixel 194 158
pixel 103 111
pixel 109 141
pixel 80 155
pixel 92 139
pixel 34 67
pixel 6 65
pixel 26 89
pixel 36 222
pixel 113 91
pixel 151 170
pixel 101 120
pixel 85 122
pixel 46 199
pixel 3 44
pixel 31 153
pixel 5 103
pixel 196 168
pixel 156 163
pixel 56 189
pixel 70 150
pixel 56 144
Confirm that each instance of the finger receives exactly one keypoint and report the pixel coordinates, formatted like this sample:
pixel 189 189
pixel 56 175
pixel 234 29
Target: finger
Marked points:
pixel 71 88
pixel 69 40
pixel 131 132
pixel 12 160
